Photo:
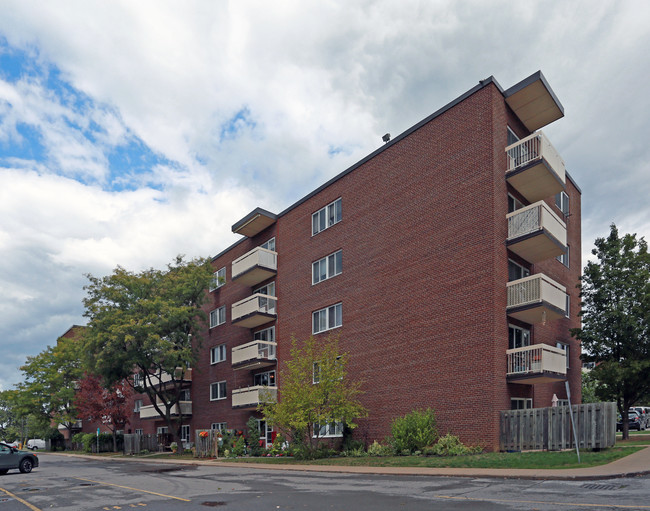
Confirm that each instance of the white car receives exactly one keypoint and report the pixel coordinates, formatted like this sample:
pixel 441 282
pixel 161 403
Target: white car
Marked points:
pixel 35 444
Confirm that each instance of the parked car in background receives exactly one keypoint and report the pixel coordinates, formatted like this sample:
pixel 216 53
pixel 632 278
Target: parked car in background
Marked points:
pixel 644 412
pixel 634 420
pixel 12 458
pixel 35 444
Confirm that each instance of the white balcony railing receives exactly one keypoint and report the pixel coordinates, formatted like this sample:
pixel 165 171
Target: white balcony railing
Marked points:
pixel 148 412
pixel 258 257
pixel 250 397
pixel 532 218
pixel 252 351
pixel 257 303
pixel 537 288
pixel 165 377
pixel 536 359
pixel 535 147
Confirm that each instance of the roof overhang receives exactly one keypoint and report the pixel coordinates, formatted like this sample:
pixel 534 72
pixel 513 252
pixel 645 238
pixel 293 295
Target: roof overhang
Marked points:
pixel 254 223
pixel 534 102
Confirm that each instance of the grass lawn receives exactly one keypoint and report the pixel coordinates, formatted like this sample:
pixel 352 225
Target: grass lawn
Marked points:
pixel 564 459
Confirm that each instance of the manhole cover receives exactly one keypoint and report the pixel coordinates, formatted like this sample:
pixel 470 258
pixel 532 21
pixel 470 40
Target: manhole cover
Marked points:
pixel 213 504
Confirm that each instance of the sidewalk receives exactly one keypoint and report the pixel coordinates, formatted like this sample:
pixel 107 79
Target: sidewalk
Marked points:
pixel 630 466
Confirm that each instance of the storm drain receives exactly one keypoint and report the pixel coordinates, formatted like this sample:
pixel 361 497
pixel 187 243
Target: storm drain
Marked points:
pixel 596 486
pixel 87 484
pixel 213 504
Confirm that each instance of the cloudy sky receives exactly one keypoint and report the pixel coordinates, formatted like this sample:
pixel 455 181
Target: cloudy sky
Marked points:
pixel 134 131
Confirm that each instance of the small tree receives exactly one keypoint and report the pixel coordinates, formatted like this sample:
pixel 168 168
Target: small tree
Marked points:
pixel 314 392
pixel 615 292
pixel 147 324
pixel 108 406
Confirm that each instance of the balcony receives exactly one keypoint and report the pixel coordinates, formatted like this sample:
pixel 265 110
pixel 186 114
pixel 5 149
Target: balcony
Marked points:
pixel 254 223
pixel 251 397
pixel 536 233
pixel 254 355
pixel 164 378
pixel 536 299
pixel 535 169
pixel 539 363
pixel 254 310
pixel 255 266
pixel 149 412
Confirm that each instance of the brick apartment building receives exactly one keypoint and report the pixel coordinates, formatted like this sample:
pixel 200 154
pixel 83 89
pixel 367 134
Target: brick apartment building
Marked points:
pixel 445 261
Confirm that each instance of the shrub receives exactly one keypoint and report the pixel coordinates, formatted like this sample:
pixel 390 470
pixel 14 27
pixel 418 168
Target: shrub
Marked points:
pixel 414 431
pixel 239 447
pixel 450 445
pixel 377 449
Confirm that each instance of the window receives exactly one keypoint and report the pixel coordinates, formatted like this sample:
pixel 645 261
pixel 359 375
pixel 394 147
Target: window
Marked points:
pixel 218 354
pixel 564 258
pixel 316 370
pixel 562 202
pixel 327 318
pixel 218 390
pixel 218 316
pixel 518 337
pixel 266 379
pixel 563 402
pixel 185 433
pixel 329 430
pixel 327 267
pixel 139 431
pixel 516 271
pixel 326 217
pixel 219 426
pixel 269 289
pixel 514 204
pixel 218 279
pixel 137 380
pixel 512 138
pixel 567 306
pixel 518 403
pixel 162 430
pixel 184 395
pixel 565 347
pixel 269 245
pixel 137 404
pixel 268 335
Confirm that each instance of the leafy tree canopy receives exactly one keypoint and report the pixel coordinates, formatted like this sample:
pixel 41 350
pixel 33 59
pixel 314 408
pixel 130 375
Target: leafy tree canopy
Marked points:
pixel 314 390
pixel 147 323
pixel 615 333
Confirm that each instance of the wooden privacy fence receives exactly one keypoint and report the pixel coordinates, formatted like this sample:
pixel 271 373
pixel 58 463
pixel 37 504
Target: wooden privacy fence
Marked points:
pixel 135 444
pixel 207 443
pixel 550 428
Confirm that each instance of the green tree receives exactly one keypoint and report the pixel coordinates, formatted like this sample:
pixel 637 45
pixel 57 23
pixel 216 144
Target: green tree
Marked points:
pixel 315 393
pixel 615 292
pixel 145 328
pixel 48 389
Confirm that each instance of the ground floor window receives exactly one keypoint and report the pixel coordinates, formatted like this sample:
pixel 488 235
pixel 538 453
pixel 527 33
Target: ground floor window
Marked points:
pixel 161 430
pixel 331 429
pixel 219 426
pixel 520 403
pixel 139 431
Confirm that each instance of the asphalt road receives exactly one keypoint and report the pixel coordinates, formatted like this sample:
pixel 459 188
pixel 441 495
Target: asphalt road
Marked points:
pixel 67 484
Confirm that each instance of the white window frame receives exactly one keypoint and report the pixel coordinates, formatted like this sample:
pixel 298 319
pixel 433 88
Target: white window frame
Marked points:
pixel 333 271
pixel 185 395
pixel 185 433
pixel 266 289
pixel 266 334
pixel 330 430
pixel 326 217
pixel 527 401
pixel 523 331
pixel 218 385
pixel 523 270
pixel 162 430
pixel 563 402
pixel 137 380
pixel 567 306
pixel 219 426
pixel 137 404
pixel 139 431
pixel 218 354
pixel 218 279
pixel 218 316
pixel 271 376
pixel 567 349
pixel 562 202
pixel 516 203
pixel 269 245
pixel 324 315
pixel 564 258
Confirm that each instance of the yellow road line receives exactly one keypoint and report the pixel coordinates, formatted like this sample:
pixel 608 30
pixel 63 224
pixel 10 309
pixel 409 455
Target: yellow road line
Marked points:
pixel 33 508
pixel 134 489
pixel 514 501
